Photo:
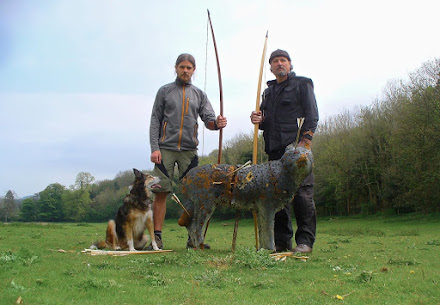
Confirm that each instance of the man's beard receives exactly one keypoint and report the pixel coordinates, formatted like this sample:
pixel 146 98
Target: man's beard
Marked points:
pixel 281 73
pixel 184 78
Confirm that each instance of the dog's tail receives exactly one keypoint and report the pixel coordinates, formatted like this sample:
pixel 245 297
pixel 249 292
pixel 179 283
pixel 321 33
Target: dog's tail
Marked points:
pixel 98 245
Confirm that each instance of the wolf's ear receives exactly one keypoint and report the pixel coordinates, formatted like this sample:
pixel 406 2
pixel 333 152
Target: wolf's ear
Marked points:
pixel 137 173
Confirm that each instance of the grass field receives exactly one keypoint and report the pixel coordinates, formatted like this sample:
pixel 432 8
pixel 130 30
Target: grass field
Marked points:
pixel 355 261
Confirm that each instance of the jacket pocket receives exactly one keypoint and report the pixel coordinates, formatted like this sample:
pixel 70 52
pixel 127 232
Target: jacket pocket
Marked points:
pixel 196 128
pixel 164 127
pixel 288 133
pixel 290 95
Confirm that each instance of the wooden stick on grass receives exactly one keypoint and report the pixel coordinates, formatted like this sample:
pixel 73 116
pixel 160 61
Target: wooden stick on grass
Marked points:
pixel 121 253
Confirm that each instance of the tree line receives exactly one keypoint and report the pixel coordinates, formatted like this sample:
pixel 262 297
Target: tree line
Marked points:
pixel 381 158
pixel 384 158
pixel 85 201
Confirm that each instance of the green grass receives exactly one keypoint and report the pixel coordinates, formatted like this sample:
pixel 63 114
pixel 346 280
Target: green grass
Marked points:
pixel 355 261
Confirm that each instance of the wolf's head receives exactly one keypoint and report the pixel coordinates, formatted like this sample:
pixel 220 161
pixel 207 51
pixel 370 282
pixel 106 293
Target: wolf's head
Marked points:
pixel 297 163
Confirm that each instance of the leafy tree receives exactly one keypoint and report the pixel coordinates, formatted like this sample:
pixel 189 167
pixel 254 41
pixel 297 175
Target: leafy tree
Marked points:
pixel 75 204
pixel 385 156
pixel 50 205
pixel 237 151
pixel 83 180
pixel 416 139
pixel 29 209
pixel 76 201
pixel 212 158
pixel 124 179
pixel 335 149
pixel 107 196
pixel 9 205
pixel 105 204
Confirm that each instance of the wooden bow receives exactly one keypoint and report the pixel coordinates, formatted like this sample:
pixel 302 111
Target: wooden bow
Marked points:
pixel 255 150
pixel 220 139
pixel 257 107
pixel 220 136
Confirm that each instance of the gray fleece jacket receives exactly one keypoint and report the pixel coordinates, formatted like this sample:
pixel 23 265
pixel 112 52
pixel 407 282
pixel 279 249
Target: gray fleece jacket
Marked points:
pixel 174 116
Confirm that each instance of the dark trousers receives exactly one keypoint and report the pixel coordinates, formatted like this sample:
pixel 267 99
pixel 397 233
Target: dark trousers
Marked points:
pixel 305 215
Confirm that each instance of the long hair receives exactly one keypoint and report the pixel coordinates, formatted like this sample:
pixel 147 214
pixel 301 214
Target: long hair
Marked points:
pixel 186 56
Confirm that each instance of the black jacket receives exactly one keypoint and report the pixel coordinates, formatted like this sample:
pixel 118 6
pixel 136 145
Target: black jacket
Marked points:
pixel 282 104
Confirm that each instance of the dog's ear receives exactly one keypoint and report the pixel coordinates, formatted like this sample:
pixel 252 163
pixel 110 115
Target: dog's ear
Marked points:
pixel 137 173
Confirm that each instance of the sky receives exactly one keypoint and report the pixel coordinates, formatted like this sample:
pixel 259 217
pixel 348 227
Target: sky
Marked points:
pixel 78 78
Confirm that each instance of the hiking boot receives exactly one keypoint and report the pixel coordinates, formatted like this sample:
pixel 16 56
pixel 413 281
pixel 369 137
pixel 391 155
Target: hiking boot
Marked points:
pixel 158 242
pixel 301 248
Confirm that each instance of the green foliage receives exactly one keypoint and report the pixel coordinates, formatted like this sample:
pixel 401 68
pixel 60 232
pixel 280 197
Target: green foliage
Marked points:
pixel 105 203
pixel 435 242
pixel 384 156
pixel 8 207
pixel 24 257
pixel 75 204
pixel 249 258
pixel 50 206
pixel 107 196
pixel 237 151
pixel 366 276
pixel 83 180
pixel 29 209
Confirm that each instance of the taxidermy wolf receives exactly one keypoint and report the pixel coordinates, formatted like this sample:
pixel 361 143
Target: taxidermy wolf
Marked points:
pixel 265 188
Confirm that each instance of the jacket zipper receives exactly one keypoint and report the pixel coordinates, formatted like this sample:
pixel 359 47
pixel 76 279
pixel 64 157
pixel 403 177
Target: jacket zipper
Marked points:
pixel 164 128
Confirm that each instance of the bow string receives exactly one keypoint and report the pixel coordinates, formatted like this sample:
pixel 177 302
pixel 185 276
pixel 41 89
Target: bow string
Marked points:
pixel 220 88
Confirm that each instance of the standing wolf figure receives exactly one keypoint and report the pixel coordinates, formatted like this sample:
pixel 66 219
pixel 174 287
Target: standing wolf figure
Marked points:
pixel 265 188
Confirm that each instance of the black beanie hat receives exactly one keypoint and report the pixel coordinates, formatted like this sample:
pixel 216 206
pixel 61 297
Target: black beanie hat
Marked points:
pixel 278 53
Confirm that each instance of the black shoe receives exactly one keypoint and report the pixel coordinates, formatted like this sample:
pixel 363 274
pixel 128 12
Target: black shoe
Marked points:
pixel 301 248
pixel 159 243
pixel 280 248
